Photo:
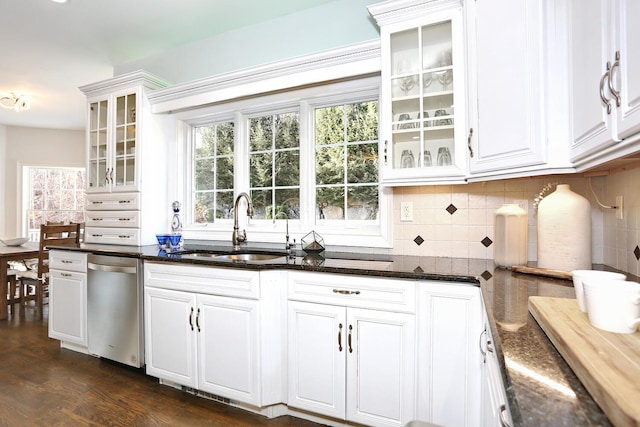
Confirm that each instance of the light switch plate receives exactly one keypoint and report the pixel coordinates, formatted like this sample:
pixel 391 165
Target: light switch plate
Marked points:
pixel 406 211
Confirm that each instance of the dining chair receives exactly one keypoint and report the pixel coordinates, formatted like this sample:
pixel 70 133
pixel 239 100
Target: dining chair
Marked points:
pixel 12 286
pixel 50 235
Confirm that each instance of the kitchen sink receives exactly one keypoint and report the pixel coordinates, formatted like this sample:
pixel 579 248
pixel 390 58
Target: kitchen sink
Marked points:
pixel 236 256
pixel 249 257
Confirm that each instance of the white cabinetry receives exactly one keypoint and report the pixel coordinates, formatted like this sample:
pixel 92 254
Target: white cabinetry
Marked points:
pixel 204 330
pixel 605 76
pixel 422 103
pixel 495 411
pixel 517 74
pixel 124 143
pixel 349 362
pixel 449 360
pixel 68 297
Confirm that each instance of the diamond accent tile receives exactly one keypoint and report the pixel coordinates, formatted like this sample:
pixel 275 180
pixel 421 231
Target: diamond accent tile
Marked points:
pixel 419 240
pixel 486 275
pixel 636 252
pixel 451 209
pixel 486 242
pixel 418 269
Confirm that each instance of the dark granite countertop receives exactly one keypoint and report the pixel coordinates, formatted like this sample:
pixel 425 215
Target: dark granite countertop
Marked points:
pixel 541 388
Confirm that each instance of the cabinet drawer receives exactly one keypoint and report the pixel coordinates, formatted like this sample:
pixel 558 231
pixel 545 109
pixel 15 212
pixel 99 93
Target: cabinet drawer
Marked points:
pixel 112 236
pixel 203 280
pixel 123 219
pixel 68 261
pixel 113 201
pixel 353 291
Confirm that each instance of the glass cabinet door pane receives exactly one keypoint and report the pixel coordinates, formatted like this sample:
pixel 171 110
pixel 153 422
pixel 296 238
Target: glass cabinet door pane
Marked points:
pixel 422 97
pixel 125 141
pixel 98 144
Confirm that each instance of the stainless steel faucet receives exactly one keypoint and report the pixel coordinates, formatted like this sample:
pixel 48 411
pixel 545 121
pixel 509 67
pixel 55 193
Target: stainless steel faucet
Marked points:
pixel 237 238
pixel 288 246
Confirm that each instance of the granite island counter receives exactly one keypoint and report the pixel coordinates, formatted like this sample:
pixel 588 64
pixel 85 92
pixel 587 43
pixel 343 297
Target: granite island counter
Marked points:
pixel 541 388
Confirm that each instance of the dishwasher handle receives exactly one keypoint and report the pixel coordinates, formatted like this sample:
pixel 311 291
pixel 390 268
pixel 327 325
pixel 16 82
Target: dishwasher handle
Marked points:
pixel 112 268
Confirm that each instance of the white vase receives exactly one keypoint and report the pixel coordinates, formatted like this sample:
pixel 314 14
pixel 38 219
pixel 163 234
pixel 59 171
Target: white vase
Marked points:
pixel 564 231
pixel 510 235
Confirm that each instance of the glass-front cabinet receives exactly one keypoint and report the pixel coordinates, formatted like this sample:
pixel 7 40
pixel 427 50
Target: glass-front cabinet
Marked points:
pixel 112 143
pixel 422 107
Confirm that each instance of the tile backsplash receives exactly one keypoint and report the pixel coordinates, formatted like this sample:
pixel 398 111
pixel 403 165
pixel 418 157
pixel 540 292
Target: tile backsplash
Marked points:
pixel 457 220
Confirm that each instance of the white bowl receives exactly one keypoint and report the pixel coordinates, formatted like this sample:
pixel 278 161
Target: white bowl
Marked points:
pixel 613 305
pixel 580 276
pixel 14 241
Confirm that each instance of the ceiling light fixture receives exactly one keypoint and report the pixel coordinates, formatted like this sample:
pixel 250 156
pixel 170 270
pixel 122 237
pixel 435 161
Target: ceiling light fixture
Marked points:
pixel 60 1
pixel 17 102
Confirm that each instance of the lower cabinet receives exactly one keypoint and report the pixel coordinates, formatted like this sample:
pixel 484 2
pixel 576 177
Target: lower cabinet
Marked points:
pixel 213 343
pixel 449 358
pixel 68 297
pixel 203 341
pixel 351 363
pixel 495 411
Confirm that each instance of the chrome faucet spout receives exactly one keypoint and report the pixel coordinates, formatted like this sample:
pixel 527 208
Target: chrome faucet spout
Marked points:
pixel 237 237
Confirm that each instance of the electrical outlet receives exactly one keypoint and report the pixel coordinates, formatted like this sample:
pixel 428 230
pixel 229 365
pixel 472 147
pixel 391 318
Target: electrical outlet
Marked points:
pixel 619 207
pixel 406 211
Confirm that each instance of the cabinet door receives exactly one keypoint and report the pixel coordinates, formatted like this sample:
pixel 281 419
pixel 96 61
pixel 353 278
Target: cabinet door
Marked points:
pixel 98 153
pixel 170 335
pixel 68 306
pixel 423 109
pixel 228 347
pixel 450 365
pixel 591 42
pixel 627 76
pixel 494 399
pixel 317 336
pixel 380 349
pixel 510 96
pixel 124 172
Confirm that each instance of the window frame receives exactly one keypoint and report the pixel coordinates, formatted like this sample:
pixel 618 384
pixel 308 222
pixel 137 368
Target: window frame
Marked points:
pixel 303 100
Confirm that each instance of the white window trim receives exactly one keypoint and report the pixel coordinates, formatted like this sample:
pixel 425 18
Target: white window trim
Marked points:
pixel 352 234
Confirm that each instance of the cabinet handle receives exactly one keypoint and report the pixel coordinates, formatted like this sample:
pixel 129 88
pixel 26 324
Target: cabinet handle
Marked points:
pixel 97 219
pixel 469 142
pixel 340 337
pixel 386 144
pixel 96 235
pixel 65 274
pixel 345 292
pixel 106 177
pixel 97 202
pixel 124 201
pixel 66 261
pixel 191 319
pixel 503 416
pixel 604 99
pixel 124 219
pixel 124 236
pixel 482 350
pixel 349 339
pixel 198 320
pixel 615 93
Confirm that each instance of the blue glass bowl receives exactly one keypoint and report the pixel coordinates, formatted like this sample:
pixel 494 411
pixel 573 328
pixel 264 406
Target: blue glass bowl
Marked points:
pixel 162 239
pixel 174 239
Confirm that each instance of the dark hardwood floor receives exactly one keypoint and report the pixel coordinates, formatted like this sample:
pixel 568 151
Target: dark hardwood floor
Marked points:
pixel 42 384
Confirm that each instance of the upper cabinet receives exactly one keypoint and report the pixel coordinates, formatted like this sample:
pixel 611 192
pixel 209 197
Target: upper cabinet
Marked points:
pixel 422 103
pixel 126 162
pixel 517 76
pixel 112 136
pixel 605 79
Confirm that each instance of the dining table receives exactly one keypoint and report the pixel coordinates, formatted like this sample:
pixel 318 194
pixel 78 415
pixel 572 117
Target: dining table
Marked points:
pixel 13 253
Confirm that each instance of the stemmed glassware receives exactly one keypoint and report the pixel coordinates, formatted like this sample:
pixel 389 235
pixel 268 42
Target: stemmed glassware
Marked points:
pixel 407 82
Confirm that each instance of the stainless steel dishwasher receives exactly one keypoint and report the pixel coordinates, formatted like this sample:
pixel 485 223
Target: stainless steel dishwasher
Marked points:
pixel 114 309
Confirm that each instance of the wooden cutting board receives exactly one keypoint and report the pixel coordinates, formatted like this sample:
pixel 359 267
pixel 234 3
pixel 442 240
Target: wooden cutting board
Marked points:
pixel 607 364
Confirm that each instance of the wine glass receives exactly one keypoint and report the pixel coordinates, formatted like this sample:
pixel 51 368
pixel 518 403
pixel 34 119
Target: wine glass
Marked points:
pixel 407 82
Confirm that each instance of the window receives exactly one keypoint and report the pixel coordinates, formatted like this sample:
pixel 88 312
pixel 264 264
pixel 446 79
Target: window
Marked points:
pixel 53 195
pixel 309 156
pixel 346 138
pixel 274 166
pixel 213 172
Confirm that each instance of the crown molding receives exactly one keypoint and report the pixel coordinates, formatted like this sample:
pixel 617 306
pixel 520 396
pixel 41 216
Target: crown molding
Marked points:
pixel 336 64
pixel 124 81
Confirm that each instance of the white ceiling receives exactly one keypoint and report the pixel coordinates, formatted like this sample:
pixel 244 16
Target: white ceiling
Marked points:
pixel 49 49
